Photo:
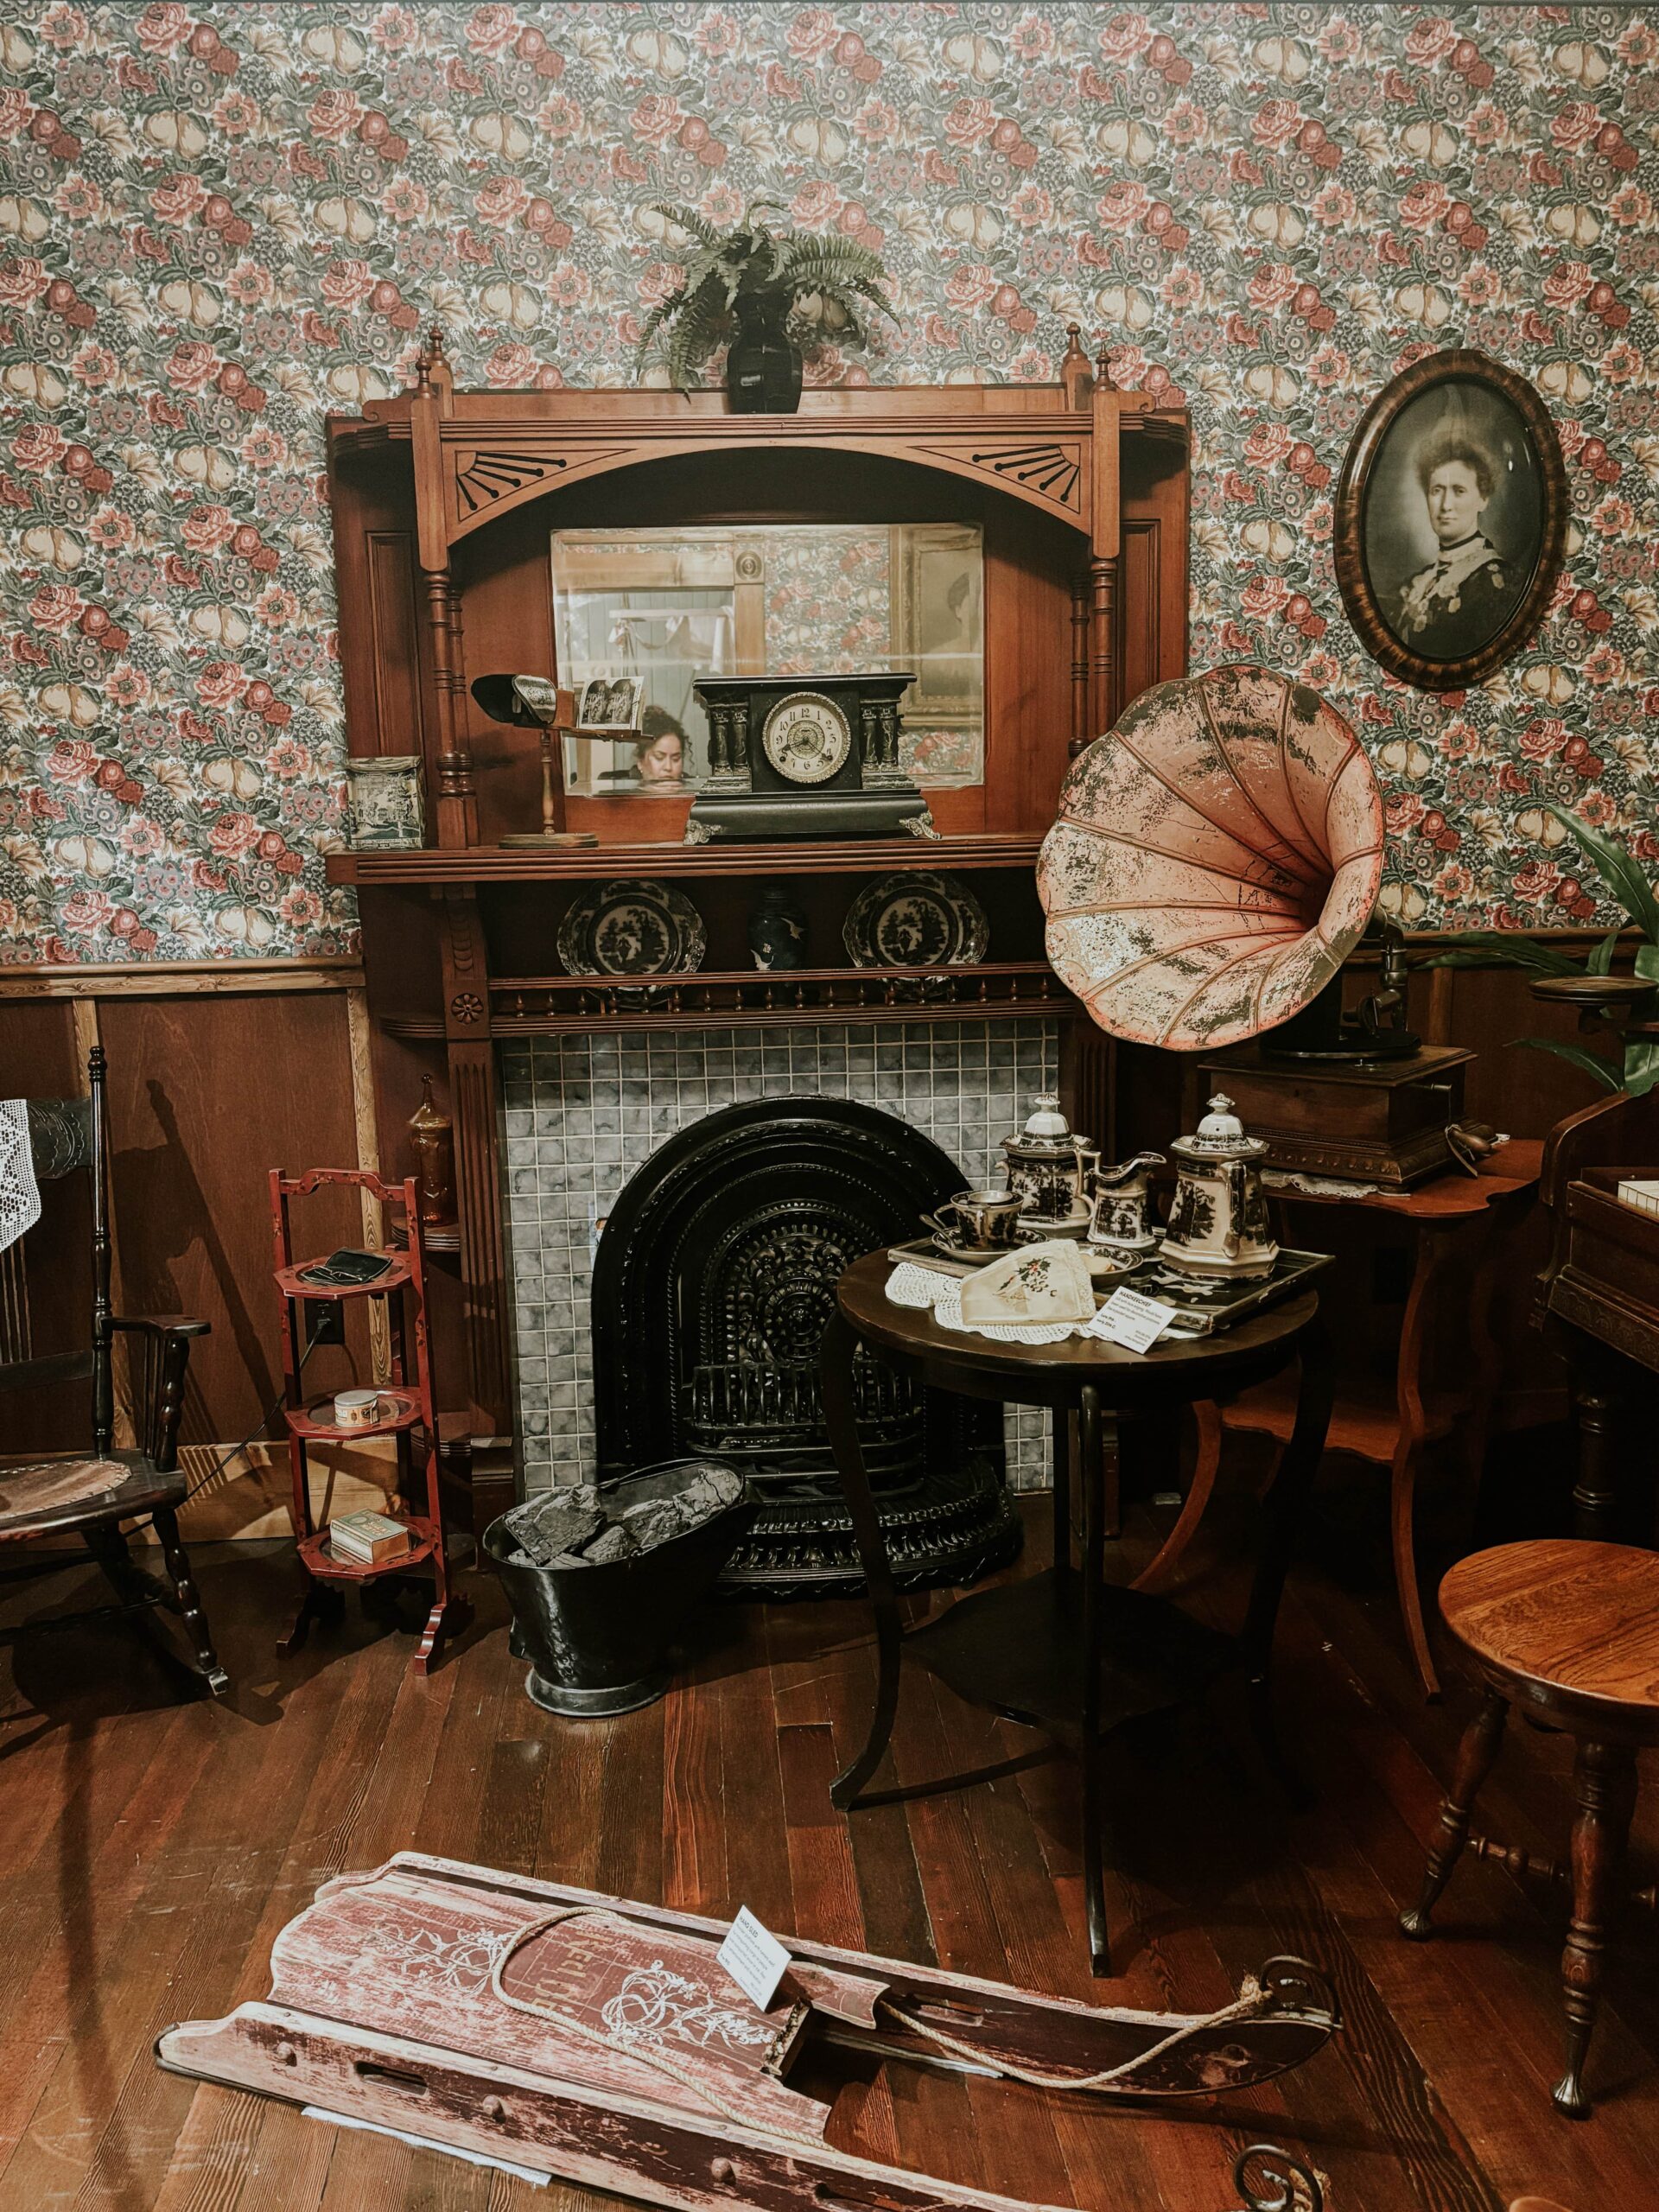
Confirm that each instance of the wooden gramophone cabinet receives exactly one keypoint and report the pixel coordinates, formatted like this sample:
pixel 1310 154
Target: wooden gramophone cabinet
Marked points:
pixel 443 503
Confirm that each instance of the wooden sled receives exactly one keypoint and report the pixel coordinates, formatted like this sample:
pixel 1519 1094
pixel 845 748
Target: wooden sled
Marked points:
pixel 598 2039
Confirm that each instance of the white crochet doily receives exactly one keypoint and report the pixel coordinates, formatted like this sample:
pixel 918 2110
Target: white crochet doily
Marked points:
pixel 20 1198
pixel 909 1285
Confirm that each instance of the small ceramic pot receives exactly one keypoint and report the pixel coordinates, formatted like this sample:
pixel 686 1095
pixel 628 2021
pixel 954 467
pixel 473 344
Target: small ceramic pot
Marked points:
pixel 763 364
pixel 383 808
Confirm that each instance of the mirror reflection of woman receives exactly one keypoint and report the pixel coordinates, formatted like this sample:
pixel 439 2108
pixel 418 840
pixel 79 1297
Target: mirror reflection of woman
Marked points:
pixel 659 755
pixel 1453 606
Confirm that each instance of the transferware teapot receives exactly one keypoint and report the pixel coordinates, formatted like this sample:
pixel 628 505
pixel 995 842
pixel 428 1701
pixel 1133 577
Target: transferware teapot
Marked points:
pixel 1219 1221
pixel 1044 1165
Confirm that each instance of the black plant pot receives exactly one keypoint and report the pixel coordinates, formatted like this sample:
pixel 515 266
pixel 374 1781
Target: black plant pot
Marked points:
pixel 763 367
pixel 597 1637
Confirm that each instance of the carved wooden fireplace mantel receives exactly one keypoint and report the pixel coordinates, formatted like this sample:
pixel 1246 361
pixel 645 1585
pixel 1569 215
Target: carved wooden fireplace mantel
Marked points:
pixel 443 505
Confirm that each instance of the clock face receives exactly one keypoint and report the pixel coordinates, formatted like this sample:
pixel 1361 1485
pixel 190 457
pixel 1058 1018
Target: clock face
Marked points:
pixel 807 738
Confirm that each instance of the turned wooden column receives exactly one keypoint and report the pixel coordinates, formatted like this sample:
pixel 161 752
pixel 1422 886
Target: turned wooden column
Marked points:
pixel 456 806
pixel 478 1173
pixel 1104 550
pixel 1082 734
pixel 1604 1781
pixel 1600 1386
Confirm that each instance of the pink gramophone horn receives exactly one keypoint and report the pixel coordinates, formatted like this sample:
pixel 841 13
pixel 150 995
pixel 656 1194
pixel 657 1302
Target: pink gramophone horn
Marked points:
pixel 1215 859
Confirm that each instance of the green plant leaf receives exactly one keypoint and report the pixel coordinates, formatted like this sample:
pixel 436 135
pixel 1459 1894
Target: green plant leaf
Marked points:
pixel 1589 1063
pixel 1647 961
pixel 1600 962
pixel 1505 948
pixel 687 218
pixel 1643 1080
pixel 1623 876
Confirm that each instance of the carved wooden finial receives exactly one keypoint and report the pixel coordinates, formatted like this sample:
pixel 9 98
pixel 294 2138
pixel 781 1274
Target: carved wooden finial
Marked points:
pixel 1103 371
pixel 1074 369
pixel 430 357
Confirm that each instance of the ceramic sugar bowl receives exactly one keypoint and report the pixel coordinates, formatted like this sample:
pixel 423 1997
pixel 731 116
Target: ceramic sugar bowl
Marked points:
pixel 1045 1168
pixel 1219 1221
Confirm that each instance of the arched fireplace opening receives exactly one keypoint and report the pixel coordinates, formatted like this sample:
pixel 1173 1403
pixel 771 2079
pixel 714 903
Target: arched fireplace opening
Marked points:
pixel 714 1275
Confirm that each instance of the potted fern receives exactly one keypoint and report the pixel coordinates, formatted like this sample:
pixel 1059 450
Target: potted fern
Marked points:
pixel 764 294
pixel 1590 985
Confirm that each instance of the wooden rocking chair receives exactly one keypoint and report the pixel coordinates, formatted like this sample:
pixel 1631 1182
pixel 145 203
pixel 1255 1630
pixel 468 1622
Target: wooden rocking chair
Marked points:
pixel 94 1493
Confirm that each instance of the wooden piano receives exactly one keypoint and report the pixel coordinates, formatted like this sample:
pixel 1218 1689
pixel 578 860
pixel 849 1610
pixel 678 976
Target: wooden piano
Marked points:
pixel 1599 1301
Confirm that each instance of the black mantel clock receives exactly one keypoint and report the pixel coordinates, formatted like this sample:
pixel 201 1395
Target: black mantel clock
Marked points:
pixel 804 756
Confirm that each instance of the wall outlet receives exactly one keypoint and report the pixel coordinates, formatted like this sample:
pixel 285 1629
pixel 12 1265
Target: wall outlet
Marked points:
pixel 322 1321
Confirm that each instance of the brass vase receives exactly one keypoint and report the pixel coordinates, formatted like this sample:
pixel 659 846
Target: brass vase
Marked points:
pixel 432 1140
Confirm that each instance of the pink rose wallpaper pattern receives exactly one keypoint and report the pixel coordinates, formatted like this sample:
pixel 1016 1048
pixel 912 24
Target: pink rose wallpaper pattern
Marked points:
pixel 218 222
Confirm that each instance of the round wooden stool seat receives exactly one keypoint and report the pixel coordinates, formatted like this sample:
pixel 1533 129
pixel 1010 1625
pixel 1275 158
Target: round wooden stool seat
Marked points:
pixel 1569 1628
pixel 1570 1631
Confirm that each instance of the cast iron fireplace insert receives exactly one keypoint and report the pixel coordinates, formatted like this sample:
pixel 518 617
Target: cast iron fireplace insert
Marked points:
pixel 714 1275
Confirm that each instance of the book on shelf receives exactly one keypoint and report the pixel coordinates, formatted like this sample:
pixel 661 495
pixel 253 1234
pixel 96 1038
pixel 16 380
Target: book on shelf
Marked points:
pixel 367 1537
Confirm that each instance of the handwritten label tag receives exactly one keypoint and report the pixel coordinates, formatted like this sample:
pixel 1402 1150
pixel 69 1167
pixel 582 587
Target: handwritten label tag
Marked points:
pixel 1131 1320
pixel 755 1960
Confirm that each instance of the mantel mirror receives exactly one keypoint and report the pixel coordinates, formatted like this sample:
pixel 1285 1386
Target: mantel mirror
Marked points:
pixel 640 615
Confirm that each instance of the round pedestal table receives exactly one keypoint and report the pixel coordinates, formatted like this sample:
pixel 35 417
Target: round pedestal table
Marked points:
pixel 1063 1650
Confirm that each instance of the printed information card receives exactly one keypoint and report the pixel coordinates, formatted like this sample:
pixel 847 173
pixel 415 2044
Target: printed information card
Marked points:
pixel 1131 1320
pixel 755 1960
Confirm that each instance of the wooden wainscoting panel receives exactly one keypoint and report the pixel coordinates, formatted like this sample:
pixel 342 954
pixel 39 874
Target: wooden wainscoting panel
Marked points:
pixel 206 1095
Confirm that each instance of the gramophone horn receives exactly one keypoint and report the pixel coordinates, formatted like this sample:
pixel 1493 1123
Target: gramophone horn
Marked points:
pixel 1215 857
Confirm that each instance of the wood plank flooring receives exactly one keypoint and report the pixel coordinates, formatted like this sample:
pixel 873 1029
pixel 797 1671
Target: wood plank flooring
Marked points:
pixel 150 1850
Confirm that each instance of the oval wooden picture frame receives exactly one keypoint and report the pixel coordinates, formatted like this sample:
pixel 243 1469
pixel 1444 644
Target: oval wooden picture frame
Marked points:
pixel 1454 365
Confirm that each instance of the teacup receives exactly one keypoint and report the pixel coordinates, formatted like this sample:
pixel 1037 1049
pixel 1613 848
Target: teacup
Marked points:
pixel 979 1220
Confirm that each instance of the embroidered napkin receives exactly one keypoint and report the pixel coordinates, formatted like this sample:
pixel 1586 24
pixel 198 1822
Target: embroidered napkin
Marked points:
pixel 1047 1284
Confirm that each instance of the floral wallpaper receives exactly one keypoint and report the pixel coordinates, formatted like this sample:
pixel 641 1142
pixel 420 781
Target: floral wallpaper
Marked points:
pixel 218 222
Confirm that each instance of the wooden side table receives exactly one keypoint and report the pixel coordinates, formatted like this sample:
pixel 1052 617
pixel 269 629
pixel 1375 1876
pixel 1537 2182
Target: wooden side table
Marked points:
pixel 1456 1225
pixel 1066 1652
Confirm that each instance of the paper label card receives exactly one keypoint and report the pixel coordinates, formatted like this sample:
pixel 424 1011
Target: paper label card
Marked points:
pixel 754 1958
pixel 1131 1320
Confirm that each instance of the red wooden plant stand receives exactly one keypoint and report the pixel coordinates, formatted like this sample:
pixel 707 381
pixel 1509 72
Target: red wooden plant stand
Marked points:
pixel 413 1424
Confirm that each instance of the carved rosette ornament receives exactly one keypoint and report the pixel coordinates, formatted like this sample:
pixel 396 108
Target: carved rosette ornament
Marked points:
pixel 466 1006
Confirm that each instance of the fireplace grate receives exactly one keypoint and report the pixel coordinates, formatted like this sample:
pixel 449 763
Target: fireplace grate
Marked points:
pixel 770 1417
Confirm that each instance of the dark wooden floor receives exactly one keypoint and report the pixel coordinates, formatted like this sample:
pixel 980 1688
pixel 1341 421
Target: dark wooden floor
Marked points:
pixel 149 1852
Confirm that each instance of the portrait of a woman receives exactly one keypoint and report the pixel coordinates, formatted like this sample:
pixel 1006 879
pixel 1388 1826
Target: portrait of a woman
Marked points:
pixel 1449 520
pixel 1459 598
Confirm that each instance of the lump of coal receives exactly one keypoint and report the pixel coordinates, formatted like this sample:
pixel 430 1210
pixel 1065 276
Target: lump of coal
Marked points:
pixel 545 1527
pixel 655 1521
pixel 612 1543
pixel 583 1526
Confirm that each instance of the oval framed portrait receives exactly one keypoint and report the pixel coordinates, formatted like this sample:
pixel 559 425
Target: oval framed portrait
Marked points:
pixel 1449 522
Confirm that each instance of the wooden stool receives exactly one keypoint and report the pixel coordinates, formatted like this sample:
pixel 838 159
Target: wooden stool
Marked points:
pixel 1571 1632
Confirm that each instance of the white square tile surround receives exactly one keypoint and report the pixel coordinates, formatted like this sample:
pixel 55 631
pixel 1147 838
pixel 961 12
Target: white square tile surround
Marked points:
pixel 581 1113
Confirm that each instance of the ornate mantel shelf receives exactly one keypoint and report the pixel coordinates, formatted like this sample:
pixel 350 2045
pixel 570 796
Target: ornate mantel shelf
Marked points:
pixel 820 997
pixel 443 503
pixel 480 864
